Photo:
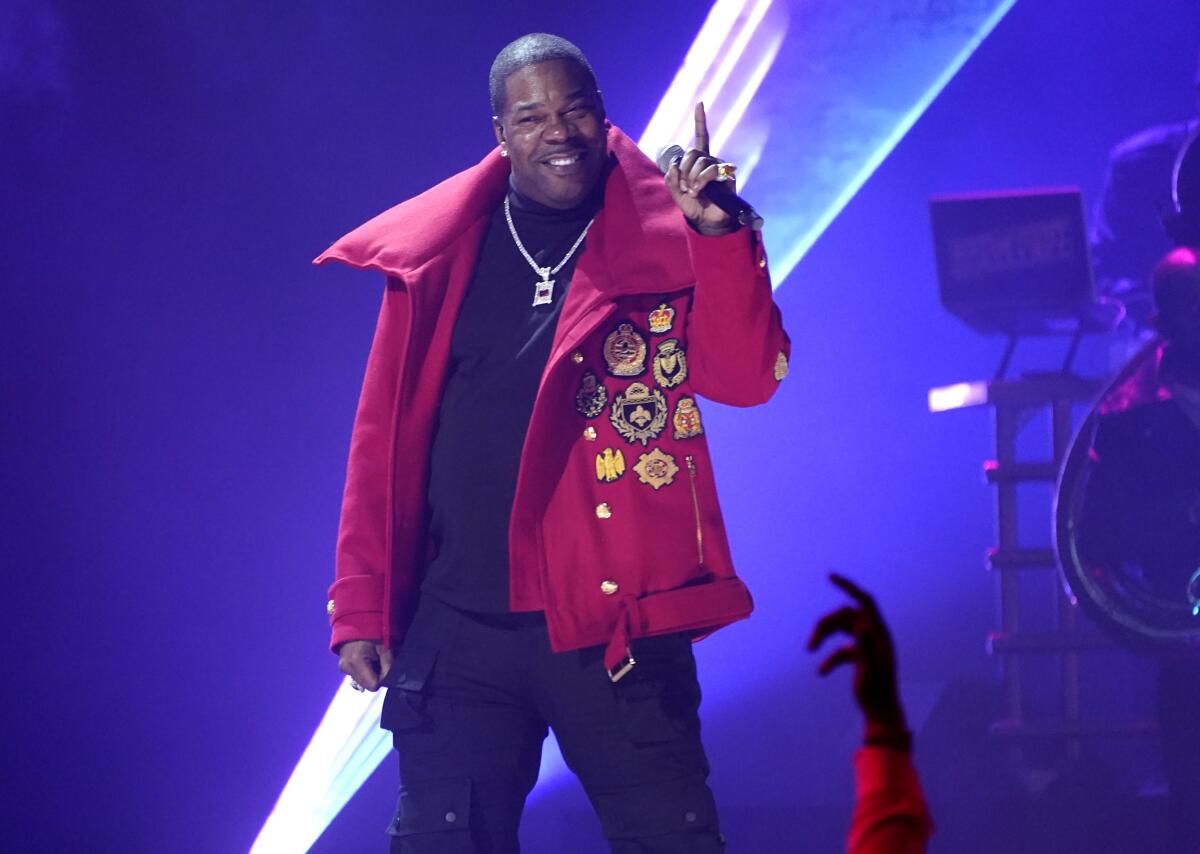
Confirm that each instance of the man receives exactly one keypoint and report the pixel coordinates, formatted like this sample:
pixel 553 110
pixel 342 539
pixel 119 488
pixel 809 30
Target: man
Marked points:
pixel 890 813
pixel 530 518
pixel 1128 236
pixel 1141 514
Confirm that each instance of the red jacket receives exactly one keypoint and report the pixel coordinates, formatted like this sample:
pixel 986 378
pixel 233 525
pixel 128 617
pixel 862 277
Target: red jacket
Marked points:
pixel 615 530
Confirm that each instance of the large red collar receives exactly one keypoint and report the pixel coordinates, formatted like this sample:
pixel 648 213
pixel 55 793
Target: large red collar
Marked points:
pixel 640 232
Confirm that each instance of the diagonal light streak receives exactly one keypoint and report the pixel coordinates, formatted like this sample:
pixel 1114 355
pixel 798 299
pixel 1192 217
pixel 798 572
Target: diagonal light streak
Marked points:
pixel 733 114
pixel 346 747
pixel 674 109
pixel 728 61
pixel 733 56
pixel 801 243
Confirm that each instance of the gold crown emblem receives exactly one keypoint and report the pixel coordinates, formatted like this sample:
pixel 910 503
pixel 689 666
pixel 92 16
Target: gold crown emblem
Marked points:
pixel 661 318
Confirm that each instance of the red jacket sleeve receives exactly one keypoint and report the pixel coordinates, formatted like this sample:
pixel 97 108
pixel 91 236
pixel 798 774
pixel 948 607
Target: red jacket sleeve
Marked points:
pixel 356 599
pixel 737 349
pixel 890 815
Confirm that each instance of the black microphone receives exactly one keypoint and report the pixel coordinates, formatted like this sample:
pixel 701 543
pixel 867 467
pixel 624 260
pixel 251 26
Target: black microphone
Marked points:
pixel 717 192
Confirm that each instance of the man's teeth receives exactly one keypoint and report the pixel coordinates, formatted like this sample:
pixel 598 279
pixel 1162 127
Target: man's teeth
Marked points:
pixel 564 161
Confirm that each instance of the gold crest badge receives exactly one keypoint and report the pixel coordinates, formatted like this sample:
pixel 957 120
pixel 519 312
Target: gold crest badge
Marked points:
pixel 687 419
pixel 656 469
pixel 625 352
pixel 610 465
pixel 781 366
pixel 591 397
pixel 661 319
pixel 639 413
pixel 670 364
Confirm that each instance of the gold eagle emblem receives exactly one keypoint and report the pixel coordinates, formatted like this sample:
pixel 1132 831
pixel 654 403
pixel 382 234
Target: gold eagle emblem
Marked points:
pixel 610 465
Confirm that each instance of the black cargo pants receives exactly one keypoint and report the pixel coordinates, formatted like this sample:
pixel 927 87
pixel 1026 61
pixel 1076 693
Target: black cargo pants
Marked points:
pixel 470 699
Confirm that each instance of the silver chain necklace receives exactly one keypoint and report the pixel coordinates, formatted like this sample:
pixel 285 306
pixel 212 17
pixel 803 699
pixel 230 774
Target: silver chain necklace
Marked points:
pixel 543 291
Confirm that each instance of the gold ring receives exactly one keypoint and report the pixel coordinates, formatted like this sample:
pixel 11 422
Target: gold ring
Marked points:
pixel 726 171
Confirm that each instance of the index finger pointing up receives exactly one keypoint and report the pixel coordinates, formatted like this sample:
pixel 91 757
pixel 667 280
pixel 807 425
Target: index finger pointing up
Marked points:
pixel 701 128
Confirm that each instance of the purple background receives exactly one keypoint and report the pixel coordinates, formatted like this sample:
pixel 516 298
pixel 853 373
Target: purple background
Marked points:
pixel 179 386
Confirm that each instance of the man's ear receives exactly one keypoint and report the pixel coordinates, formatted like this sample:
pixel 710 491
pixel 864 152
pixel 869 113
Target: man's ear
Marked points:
pixel 498 129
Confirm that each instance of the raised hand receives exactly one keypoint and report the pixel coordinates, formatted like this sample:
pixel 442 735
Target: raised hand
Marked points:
pixel 870 651
pixel 692 174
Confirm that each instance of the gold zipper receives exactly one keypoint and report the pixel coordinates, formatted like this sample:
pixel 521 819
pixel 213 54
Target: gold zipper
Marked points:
pixel 691 467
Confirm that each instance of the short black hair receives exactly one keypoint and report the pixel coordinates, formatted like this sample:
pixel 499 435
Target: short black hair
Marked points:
pixel 530 50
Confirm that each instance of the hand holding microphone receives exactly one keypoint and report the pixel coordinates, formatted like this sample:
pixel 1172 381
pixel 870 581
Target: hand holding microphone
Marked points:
pixel 703 186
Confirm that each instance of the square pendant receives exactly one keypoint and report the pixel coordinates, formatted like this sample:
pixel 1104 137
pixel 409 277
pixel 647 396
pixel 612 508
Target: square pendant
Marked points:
pixel 543 292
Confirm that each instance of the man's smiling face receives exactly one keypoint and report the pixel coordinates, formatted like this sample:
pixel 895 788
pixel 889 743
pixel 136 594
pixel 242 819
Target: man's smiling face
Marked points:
pixel 552 123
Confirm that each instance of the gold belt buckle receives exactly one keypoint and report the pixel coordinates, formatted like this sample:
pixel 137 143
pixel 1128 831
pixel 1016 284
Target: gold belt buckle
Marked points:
pixel 623 670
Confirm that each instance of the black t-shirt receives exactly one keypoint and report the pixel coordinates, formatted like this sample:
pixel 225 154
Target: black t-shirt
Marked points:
pixel 500 346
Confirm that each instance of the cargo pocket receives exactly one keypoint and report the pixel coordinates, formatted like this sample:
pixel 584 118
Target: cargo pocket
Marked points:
pixel 408 685
pixel 682 811
pixel 433 817
pixel 659 700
